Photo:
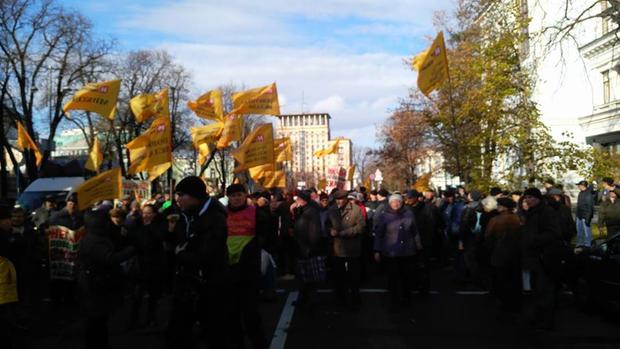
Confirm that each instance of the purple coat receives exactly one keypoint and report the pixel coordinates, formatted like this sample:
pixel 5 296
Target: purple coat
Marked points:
pixel 396 233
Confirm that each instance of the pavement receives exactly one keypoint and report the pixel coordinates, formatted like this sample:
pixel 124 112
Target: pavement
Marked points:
pixel 450 316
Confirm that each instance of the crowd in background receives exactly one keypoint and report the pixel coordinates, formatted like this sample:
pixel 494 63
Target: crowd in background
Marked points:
pixel 218 257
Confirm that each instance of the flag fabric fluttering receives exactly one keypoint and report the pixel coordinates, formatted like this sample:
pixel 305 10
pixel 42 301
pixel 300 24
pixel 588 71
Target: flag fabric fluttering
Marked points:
pixel 106 186
pixel 432 66
pixel 95 157
pixel 332 149
pixel 260 100
pixel 24 141
pixel 96 97
pixel 147 105
pixel 208 106
pixel 152 151
pixel 282 150
pixel 256 149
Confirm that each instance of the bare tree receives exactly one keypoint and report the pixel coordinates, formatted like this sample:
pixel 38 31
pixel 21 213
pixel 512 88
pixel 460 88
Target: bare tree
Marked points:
pixel 363 157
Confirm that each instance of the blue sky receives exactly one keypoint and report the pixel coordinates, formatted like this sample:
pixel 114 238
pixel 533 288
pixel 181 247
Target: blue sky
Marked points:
pixel 344 56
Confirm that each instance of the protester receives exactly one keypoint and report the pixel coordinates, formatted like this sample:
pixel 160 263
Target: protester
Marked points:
pixel 541 231
pixel 69 217
pixel 584 215
pixel 41 216
pixel 8 283
pixel 99 277
pixel 347 225
pixel 147 235
pixel 564 214
pixel 396 243
pixel 202 283
pixel 608 187
pixel 307 232
pixel 246 224
pixel 609 213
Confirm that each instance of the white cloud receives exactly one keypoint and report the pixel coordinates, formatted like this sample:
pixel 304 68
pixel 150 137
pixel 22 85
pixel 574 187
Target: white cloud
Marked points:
pixel 331 104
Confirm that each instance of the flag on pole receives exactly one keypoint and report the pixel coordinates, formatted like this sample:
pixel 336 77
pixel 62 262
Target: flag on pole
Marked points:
pixel 282 150
pixel 25 142
pixel 256 149
pixel 231 131
pixel 260 172
pixel 106 186
pixel 260 100
pixel 147 105
pixel 208 106
pixel 275 179
pixel 332 149
pixel 432 66
pixel 152 151
pixel 350 173
pixel 96 97
pixel 95 157
pixel 206 134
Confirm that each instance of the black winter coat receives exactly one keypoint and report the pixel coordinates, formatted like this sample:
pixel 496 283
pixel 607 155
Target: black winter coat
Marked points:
pixel 540 232
pixel 585 205
pixel 308 229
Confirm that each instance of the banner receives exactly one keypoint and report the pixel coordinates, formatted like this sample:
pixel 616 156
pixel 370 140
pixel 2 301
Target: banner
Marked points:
pixel 256 149
pixel 96 97
pixel 231 131
pixel 261 100
pixel 25 142
pixel 336 178
pixel 208 106
pixel 156 155
pixel 95 157
pixel 282 150
pixel 137 188
pixel 147 105
pixel 332 149
pixel 64 245
pixel 432 65
pixel 106 186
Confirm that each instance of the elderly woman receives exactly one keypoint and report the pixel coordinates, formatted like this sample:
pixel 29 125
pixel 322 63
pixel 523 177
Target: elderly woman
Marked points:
pixel 396 244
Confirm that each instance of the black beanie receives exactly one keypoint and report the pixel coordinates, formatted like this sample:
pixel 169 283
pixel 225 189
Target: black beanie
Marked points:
pixel 506 202
pixel 304 195
pixel 235 188
pixel 192 186
pixel 535 192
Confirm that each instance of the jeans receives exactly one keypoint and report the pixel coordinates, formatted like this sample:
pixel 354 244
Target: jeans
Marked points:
pixel 584 233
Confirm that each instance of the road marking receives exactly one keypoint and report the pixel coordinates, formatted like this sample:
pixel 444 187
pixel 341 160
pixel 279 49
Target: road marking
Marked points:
pixel 279 335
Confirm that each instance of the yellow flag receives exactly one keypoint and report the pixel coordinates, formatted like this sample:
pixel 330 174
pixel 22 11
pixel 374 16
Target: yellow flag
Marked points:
pixel 231 131
pixel 256 149
pixel 282 150
pixel 106 186
pixel 261 100
pixel 432 66
pixel 208 106
pixel 152 151
pixel 368 183
pixel 275 179
pixel 332 149
pixel 149 104
pixel 96 97
pixel 260 172
pixel 423 182
pixel 350 173
pixel 206 134
pixel 95 158
pixel 322 184
pixel 25 142
pixel 203 152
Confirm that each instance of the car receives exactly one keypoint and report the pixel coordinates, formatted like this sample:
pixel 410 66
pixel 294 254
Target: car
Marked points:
pixel 597 281
pixel 58 187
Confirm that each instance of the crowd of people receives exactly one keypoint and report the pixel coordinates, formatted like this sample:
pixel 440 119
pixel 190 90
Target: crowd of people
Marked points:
pixel 218 257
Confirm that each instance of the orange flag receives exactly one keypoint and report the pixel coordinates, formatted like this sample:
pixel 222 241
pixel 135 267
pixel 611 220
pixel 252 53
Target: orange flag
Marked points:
pixel 25 142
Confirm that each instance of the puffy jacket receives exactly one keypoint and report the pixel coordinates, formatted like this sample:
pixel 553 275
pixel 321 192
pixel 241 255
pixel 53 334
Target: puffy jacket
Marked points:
pixel 397 233
pixel 585 205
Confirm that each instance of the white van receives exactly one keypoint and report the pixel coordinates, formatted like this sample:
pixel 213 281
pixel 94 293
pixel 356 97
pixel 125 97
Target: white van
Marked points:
pixel 59 187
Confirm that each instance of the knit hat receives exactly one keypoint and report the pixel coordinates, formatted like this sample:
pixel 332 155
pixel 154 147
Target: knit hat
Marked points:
pixel 475 195
pixel 535 192
pixel 323 196
pixel 235 188
pixel 554 191
pixel 352 195
pixel 506 202
pixel 383 193
pixel 396 197
pixel 304 195
pixel 495 191
pixel 412 194
pixel 193 186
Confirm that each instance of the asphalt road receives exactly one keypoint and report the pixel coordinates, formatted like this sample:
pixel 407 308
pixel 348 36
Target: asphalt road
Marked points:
pixel 449 317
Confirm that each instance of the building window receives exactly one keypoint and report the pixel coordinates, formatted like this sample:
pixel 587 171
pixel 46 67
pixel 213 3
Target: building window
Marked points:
pixel 606 87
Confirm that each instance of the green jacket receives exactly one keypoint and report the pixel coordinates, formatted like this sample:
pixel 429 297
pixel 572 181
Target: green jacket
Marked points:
pixel 609 216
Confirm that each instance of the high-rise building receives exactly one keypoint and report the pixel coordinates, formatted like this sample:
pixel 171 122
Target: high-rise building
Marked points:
pixel 309 133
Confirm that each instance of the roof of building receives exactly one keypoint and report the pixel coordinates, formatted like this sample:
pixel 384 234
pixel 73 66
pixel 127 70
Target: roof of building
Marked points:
pixel 303 114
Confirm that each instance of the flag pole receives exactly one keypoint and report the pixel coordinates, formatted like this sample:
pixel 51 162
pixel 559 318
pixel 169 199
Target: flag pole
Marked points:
pixel 453 117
